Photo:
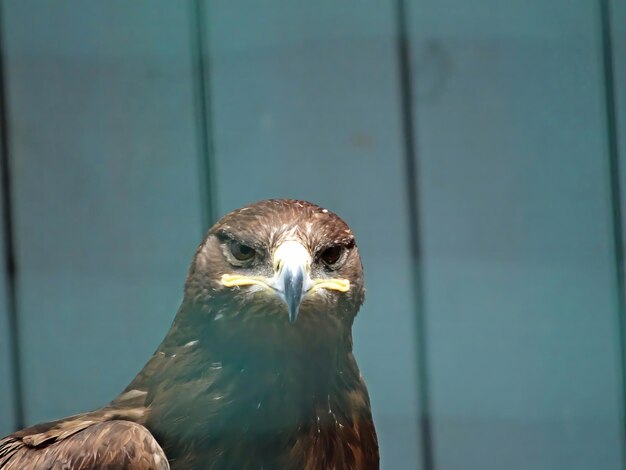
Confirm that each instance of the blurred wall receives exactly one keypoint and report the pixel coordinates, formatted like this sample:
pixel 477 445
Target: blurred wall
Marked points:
pixel 483 136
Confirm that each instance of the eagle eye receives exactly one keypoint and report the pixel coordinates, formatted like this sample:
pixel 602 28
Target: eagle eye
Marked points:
pixel 241 252
pixel 331 255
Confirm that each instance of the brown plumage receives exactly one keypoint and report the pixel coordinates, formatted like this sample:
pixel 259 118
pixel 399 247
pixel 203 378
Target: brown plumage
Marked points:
pixel 256 371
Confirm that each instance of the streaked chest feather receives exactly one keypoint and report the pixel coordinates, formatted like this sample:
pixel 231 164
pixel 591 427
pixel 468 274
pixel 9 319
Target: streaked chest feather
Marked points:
pixel 242 417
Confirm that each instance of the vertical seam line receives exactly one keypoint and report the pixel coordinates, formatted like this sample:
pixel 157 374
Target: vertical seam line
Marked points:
pixel 616 194
pixel 204 122
pixel 10 265
pixel 410 154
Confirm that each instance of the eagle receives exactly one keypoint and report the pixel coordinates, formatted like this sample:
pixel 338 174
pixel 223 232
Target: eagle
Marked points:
pixel 256 371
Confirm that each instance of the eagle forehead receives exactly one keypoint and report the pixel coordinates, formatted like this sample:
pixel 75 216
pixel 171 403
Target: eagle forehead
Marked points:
pixel 272 221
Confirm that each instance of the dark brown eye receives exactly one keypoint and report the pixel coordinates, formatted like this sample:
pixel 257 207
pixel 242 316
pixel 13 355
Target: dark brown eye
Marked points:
pixel 241 252
pixel 331 254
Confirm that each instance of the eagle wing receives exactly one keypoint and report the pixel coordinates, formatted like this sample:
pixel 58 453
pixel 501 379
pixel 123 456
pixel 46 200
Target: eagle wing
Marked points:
pixel 85 442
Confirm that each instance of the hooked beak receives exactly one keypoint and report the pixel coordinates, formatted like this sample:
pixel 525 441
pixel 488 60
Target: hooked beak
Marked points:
pixel 292 277
pixel 292 265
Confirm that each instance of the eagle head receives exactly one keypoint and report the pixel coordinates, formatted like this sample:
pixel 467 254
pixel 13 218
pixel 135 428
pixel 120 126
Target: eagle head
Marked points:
pixel 278 264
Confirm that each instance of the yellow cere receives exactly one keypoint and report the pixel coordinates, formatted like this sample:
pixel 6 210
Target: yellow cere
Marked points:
pixel 232 280
pixel 342 285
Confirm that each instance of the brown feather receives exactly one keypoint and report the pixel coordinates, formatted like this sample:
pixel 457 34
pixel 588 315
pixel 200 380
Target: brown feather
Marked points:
pixel 104 445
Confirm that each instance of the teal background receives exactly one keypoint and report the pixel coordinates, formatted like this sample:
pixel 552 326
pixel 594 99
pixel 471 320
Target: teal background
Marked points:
pixel 476 149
